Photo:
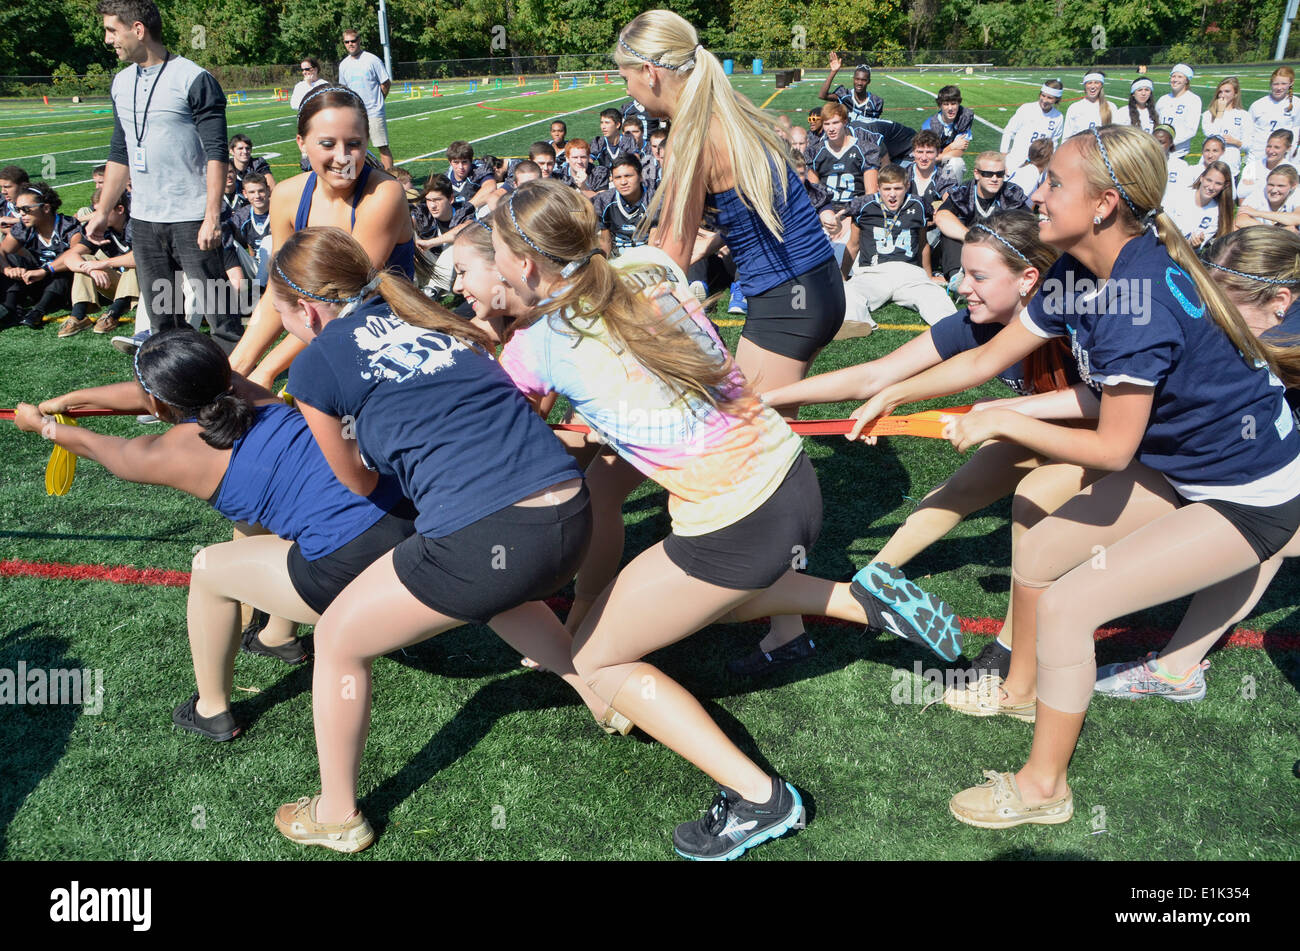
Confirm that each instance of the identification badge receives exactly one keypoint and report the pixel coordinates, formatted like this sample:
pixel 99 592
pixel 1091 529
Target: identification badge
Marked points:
pixel 138 161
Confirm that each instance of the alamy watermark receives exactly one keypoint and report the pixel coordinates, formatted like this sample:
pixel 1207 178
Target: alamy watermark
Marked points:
pixel 1119 297
pixel 58 686
pixel 927 685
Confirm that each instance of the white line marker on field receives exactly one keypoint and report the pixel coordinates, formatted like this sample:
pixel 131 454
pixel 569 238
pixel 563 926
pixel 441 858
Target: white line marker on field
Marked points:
pixel 996 128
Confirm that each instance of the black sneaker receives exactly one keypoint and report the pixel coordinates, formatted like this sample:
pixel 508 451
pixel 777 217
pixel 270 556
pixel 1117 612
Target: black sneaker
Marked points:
pixel 733 824
pixel 759 661
pixel 222 727
pixel 994 661
pixel 33 320
pixel 292 653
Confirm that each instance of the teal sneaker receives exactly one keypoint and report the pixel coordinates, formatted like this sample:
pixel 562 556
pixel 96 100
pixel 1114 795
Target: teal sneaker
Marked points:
pixel 897 605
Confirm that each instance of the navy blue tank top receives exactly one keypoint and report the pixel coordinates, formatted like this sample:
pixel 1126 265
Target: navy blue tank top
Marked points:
pixel 279 479
pixel 762 260
pixel 402 256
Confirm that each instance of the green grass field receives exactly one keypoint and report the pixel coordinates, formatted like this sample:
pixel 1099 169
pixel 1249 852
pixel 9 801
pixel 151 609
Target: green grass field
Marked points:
pixel 472 757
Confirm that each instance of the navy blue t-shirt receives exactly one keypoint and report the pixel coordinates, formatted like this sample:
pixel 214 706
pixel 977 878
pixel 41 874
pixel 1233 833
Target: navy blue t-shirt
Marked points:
pixel 441 416
pixel 957 333
pixel 278 478
pixel 1216 423
pixel 1287 334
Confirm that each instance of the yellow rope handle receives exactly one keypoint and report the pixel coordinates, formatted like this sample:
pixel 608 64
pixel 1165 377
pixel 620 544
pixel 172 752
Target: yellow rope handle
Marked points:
pixel 62 465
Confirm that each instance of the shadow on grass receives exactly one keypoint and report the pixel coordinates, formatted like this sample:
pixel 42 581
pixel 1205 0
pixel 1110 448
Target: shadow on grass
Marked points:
pixel 1041 855
pixel 32 737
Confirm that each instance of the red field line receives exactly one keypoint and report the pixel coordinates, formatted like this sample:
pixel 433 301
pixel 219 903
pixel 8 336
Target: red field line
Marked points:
pixel 986 626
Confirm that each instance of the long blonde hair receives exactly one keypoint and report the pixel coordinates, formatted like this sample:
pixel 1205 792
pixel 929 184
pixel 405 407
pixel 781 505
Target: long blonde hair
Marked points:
pixel 1139 165
pixel 328 263
pixel 560 226
pixel 665 39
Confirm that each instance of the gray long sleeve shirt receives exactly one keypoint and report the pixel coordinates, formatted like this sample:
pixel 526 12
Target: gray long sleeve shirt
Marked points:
pixel 185 128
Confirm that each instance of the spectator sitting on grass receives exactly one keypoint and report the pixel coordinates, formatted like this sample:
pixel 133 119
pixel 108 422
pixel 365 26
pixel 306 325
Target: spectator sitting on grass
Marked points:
pixel 12 179
pixel 103 273
pixel 32 253
pixel 243 162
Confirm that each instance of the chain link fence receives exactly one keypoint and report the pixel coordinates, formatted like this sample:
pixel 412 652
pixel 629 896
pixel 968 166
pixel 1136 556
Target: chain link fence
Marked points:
pixel 96 82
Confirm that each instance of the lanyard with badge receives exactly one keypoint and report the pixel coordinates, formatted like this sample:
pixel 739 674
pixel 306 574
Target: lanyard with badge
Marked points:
pixel 138 122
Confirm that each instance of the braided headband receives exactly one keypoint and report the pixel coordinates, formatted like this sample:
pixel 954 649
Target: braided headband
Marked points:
pixel 360 295
pixel 569 266
pixel 689 64
pixel 1253 277
pixel 1014 250
pixel 1145 220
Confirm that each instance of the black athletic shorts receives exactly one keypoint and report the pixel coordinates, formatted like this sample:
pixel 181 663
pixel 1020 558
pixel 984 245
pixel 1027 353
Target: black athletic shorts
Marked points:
pixel 319 582
pixel 799 317
pixel 753 553
pixel 1267 529
pixel 520 554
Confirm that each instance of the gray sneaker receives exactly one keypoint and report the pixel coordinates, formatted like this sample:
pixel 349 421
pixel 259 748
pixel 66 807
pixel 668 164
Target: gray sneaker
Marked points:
pixel 129 345
pixel 1136 679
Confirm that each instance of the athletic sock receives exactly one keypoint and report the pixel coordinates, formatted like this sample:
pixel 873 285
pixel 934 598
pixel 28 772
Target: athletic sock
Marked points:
pixel 120 307
pixel 79 310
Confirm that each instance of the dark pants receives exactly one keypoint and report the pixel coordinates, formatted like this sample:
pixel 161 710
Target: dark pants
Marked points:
pixel 166 253
pixel 949 255
pixel 51 294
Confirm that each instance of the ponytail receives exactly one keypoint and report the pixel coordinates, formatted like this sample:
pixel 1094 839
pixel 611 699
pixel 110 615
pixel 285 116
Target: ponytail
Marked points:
pixel 190 374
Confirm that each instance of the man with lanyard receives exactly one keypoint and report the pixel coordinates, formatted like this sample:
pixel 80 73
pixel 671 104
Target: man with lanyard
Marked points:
pixel 169 138
pixel 952 124
pixel 972 202
pixel 363 72
pixel 621 209
pixel 860 102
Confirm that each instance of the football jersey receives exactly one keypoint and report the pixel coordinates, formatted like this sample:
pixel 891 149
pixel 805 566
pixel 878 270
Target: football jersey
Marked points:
pixel 1219 428
pixel 597 178
pixel 942 179
pixel 964 202
pixel 621 218
pixel 841 172
pixel 889 235
pixel 1184 114
pixel 1030 123
pixel 895 138
pixel 1267 115
pixel 255 236
pixel 1234 122
pixel 427 226
pixel 1182 206
pixel 949 131
pixel 603 151
pixel 65 229
pixel 1084 115
pixel 256 164
pixel 1180 174
pixel 859 111
pixel 462 190
pixel 1027 178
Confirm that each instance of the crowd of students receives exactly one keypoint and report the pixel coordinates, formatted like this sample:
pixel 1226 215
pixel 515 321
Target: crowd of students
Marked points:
pixel 580 272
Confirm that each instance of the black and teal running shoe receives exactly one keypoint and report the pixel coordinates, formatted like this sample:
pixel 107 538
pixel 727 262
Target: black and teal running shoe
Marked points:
pixel 897 605
pixel 732 824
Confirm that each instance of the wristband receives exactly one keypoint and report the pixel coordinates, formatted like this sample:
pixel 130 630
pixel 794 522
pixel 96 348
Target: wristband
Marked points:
pixel 49 267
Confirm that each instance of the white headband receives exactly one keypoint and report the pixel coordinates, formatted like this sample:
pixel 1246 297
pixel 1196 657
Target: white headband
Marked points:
pixel 1141 84
pixel 1055 93
pixel 1184 69
pixel 1094 78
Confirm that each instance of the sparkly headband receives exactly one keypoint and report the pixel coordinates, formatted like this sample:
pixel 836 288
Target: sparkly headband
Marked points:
pixel 1253 277
pixel 329 88
pixel 689 64
pixel 1054 93
pixel 1095 78
pixel 360 296
pixel 569 266
pixel 1014 250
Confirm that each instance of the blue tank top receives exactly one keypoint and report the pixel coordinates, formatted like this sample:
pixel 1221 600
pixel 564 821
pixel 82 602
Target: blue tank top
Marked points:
pixel 402 257
pixel 762 260
pixel 278 478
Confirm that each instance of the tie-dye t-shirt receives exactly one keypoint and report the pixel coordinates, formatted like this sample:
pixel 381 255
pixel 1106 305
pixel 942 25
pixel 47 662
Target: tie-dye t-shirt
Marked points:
pixel 717 466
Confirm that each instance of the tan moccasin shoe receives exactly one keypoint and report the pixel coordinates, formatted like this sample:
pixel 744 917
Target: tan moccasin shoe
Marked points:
pixel 996 804
pixel 984 699
pixel 297 821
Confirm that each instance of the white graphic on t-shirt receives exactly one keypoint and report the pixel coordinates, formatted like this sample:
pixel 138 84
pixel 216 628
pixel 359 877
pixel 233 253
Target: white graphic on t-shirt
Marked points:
pixel 399 350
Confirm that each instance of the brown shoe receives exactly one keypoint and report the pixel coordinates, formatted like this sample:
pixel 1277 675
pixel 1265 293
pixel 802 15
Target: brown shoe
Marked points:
pixel 72 326
pixel 297 822
pixel 996 804
pixel 107 324
pixel 984 699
